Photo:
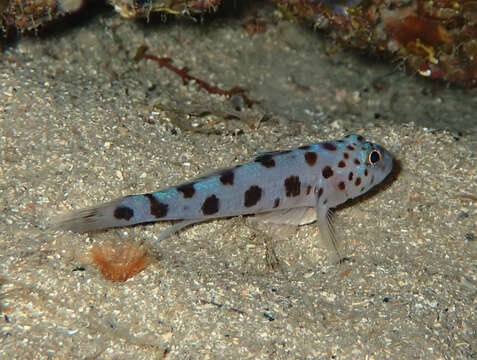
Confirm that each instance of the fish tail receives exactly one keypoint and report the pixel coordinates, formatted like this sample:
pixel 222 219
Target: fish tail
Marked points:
pixel 124 211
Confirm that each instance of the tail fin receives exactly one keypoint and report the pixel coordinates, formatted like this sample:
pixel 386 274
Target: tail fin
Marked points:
pixel 98 217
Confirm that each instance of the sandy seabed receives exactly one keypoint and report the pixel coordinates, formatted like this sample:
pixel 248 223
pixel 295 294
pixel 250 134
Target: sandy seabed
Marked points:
pixel 82 123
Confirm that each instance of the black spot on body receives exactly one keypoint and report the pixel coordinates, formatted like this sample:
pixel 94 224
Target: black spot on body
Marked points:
pixel 357 181
pixel 350 176
pixel 311 157
pixel 123 213
pixel 305 147
pixel 292 186
pixel 308 190
pixel 327 172
pixel 357 162
pixel 227 177
pixel 345 155
pixel 350 147
pixel 210 205
pixel 365 172
pixel 360 138
pixel 320 192
pixel 341 185
pixel 341 164
pixel 266 160
pixel 252 196
pixel 187 190
pixel 329 146
pixel 276 203
pixel 157 208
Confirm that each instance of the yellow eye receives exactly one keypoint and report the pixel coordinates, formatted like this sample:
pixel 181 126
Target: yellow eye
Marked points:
pixel 373 157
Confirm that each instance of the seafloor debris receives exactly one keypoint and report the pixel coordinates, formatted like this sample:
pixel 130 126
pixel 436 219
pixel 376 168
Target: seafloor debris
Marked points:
pixel 27 15
pixel 136 8
pixel 186 78
pixel 120 263
pixel 436 38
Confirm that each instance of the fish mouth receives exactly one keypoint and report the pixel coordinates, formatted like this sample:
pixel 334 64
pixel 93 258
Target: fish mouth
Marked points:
pixel 388 161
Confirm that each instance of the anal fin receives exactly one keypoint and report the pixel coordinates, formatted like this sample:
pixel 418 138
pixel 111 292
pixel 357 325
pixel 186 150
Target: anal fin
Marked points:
pixel 177 227
pixel 293 216
pixel 284 222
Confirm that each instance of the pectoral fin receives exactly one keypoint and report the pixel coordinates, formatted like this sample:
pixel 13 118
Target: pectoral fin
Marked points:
pixel 328 235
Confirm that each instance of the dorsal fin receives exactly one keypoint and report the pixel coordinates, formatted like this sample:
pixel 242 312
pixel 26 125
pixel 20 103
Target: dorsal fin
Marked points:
pixel 267 153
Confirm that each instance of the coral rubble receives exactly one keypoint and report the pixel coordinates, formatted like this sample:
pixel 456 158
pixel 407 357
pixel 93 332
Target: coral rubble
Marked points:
pixel 28 15
pixel 436 38
pixel 134 8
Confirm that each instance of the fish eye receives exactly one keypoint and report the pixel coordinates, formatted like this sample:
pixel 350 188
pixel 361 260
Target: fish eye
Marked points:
pixel 373 157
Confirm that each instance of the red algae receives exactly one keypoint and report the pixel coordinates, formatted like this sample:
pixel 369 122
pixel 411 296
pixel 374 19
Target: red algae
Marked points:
pixel 119 263
pixel 186 77
pixel 413 27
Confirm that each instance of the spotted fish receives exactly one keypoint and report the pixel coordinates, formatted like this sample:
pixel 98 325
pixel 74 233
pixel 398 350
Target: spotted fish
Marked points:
pixel 291 187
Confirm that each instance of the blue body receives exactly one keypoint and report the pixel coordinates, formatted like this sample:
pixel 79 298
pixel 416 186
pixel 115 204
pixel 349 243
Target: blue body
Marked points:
pixel 293 186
